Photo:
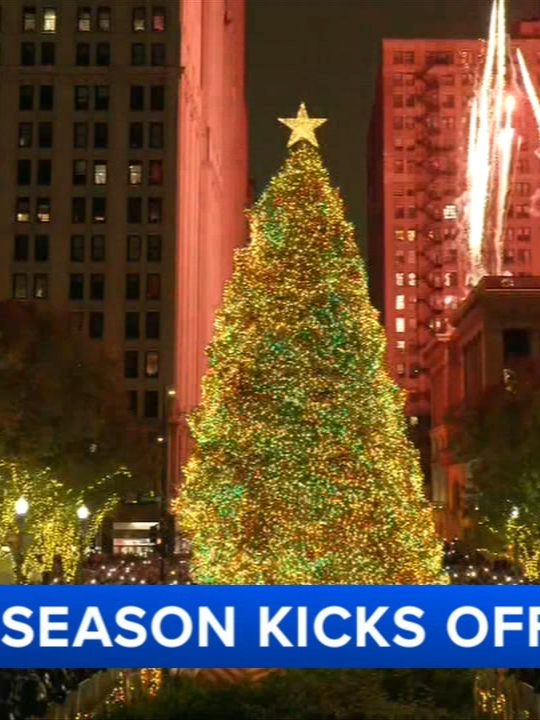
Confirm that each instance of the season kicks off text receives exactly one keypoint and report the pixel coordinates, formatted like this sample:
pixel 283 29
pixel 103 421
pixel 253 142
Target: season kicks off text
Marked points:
pixel 173 626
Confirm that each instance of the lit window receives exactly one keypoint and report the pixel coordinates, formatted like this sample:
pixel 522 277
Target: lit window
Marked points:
pixel 399 234
pixel 158 19
pixel 400 325
pixel 450 279
pixel 104 19
pixel 400 302
pixel 135 173
pixel 43 210
pixel 99 210
pixel 400 345
pixel 400 257
pixel 48 20
pixel 400 279
pixel 100 173
pixel 400 369
pixel 139 19
pixel 84 19
pixel 152 364
pixel 20 286
pixel 22 210
pixel 29 23
pixel 411 257
pixel 41 286
pixel 412 279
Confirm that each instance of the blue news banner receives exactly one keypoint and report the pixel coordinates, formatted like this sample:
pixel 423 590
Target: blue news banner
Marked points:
pixel 243 626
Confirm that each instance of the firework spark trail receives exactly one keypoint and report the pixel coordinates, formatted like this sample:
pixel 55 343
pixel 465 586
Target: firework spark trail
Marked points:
pixel 479 170
pixel 529 88
pixel 506 140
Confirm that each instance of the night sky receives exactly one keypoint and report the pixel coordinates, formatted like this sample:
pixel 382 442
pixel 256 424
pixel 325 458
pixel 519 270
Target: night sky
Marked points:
pixel 326 52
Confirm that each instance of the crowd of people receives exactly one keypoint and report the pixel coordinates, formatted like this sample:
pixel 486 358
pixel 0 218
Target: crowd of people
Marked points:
pixel 29 693
pixel 473 567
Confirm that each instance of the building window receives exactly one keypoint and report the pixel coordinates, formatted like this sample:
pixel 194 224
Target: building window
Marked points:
pixel 412 279
pixel 158 54
pixel 96 325
pixel 78 210
pixel 522 188
pixel 158 19
pixel 151 404
pixel 400 302
pixel 153 286
pixel 43 210
pixel 99 210
pixel 398 101
pixel 524 256
pixel 82 54
pixel 46 97
pixel 41 286
pixel 400 345
pixel 25 135
pixel 134 173
pixel 398 166
pixel 133 402
pixel 136 97
pixel 400 325
pixel 26 97
pixel 28 54
pixel 523 234
pixel 138 54
pixel 21 248
pixel 133 286
pixel 101 135
pixel 131 364
pixel 48 53
pixel 41 248
pixel 29 19
pixel 76 321
pixel 104 19
pixel 77 248
pixel 157 98
pixel 132 325
pixel 22 210
pixel 151 364
pixel 139 19
pixel 156 136
pixel 101 97
pixel 134 210
pixel 79 172
pixel 155 211
pixel 136 135
pixel 45 135
pixel 155 174
pixel 84 19
pixel 48 20
pixel 153 248
pixel 24 172
pixel 76 286
pixel 97 286
pixel 100 172
pixel 103 54
pixel 98 248
pixel 133 248
pixel 450 212
pixel 20 286
pixel 152 325
pixel 82 97
pixel 80 135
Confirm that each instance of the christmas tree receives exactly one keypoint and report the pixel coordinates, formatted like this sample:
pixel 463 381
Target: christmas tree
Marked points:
pixel 302 470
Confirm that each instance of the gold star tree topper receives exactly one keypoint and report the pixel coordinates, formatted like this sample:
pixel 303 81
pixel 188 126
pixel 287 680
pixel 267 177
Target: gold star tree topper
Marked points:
pixel 303 127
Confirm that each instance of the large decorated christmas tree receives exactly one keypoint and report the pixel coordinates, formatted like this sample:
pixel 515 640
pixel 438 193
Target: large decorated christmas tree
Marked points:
pixel 302 470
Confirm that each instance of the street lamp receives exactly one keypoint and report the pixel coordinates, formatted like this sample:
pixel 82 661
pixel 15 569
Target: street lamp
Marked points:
pixel 21 509
pixel 83 514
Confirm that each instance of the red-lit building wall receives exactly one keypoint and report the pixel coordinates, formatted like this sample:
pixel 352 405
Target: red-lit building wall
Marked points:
pixel 213 187
pixel 417 143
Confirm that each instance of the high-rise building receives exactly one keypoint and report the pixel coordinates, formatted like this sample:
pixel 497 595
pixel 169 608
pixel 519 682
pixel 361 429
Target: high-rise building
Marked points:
pixel 416 160
pixel 123 179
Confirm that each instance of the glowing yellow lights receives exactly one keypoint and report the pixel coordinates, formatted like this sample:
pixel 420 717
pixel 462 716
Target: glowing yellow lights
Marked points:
pixel 302 472
pixel 303 127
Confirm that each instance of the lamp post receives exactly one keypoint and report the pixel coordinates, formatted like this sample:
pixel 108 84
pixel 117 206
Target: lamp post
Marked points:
pixel 82 514
pixel 21 510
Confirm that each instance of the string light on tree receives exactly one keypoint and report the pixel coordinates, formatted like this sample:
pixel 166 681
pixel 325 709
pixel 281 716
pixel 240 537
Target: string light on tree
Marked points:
pixel 302 470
